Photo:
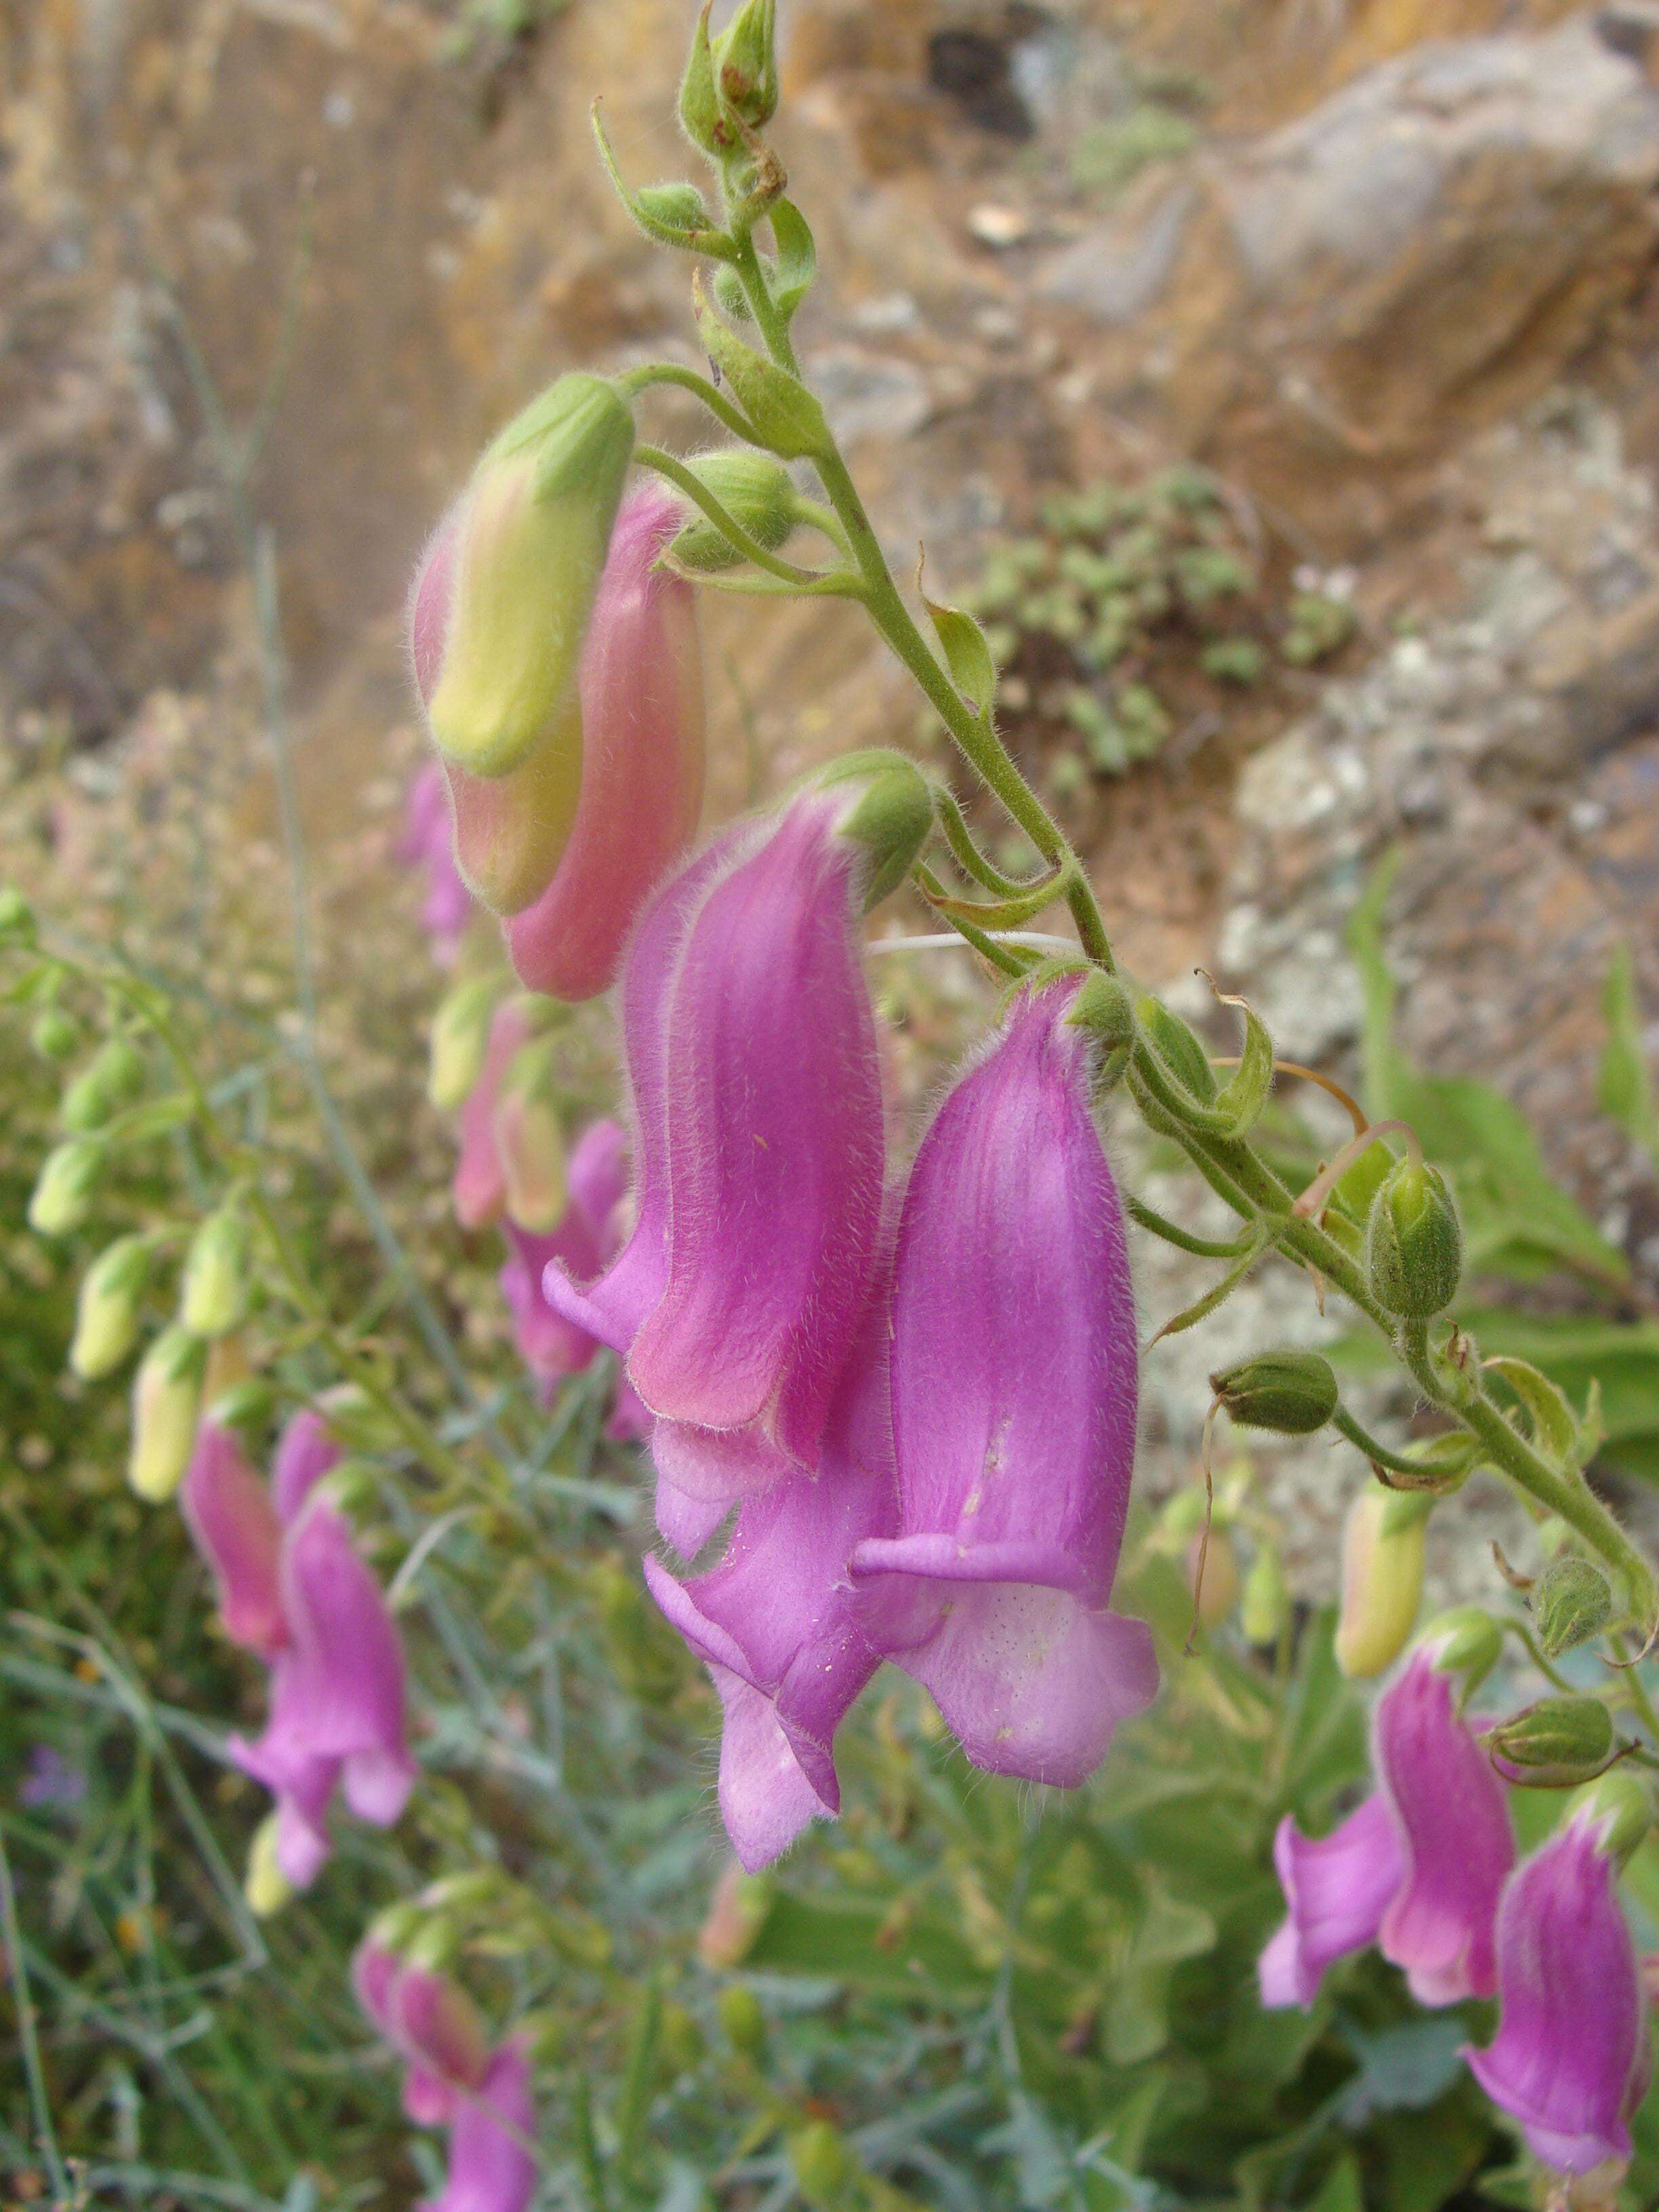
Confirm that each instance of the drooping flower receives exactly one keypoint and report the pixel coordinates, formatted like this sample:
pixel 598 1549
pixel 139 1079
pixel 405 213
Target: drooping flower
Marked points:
pixel 478 1191
pixel 642 762
pixel 229 1512
pixel 1337 1889
pixel 428 842
pixel 1571 2057
pixel 492 2168
pixel 759 1150
pixel 432 2024
pixel 1014 1399
pixel 1453 1823
pixel 167 1404
pixel 307 1450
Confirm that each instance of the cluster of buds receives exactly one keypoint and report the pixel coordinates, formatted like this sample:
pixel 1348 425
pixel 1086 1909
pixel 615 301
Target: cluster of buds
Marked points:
pixel 293 1590
pixel 1426 1870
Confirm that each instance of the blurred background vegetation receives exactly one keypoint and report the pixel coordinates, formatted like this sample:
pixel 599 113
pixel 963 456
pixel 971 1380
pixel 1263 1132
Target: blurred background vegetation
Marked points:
pixel 1273 376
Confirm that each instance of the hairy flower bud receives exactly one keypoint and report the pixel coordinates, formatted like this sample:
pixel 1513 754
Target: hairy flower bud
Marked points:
pixel 1382 1555
pixel 215 1295
pixel 1556 1744
pixel 529 1139
pixel 460 1032
pixel 1414 1242
pixel 166 1401
pixel 702 112
pixel 532 529
pixel 889 811
pixel 1180 1048
pixel 746 62
pixel 111 1079
pixel 63 1191
pixel 1572 1603
pixel 266 1887
pixel 1291 1393
pixel 106 1311
pixel 755 490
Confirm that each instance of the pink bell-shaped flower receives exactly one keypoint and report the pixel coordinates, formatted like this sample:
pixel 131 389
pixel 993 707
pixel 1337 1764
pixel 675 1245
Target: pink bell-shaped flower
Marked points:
pixel 1337 1889
pixel 431 2023
pixel 1571 2057
pixel 642 762
pixel 228 1511
pixel 1452 1821
pixel 492 2168
pixel 1013 1396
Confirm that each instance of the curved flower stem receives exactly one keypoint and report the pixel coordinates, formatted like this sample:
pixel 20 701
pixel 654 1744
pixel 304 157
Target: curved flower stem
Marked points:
pixel 683 480
pixel 688 380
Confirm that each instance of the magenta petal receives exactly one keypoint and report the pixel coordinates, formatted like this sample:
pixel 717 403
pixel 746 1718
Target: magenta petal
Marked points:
pixel 775 1143
pixel 1569 2060
pixel 302 1780
pixel 1453 1822
pixel 1337 1888
pixel 1013 1397
pixel 685 1522
pixel 550 1345
pixel 630 1421
pixel 717 1467
pixel 306 1452
pixel 598 1179
pixel 229 1513
pixel 479 1189
pixel 428 842
pixel 491 2166
pixel 642 761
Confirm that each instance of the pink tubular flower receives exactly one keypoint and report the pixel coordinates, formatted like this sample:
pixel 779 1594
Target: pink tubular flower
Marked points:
pixel 430 2022
pixel 478 1191
pixel 1013 1397
pixel 428 842
pixel 1336 1891
pixel 642 761
pixel 306 1452
pixel 230 1515
pixel 552 1346
pixel 759 1150
pixel 1453 1824
pixel 491 2168
pixel 1570 2058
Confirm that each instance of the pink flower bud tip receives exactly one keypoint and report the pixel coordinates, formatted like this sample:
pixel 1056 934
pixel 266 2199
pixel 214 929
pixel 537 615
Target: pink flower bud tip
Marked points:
pixel 432 2024
pixel 230 1515
pixel 492 2166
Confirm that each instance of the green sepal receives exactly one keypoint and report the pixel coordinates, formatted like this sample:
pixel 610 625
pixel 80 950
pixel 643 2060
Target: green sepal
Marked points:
pixel 788 419
pixel 755 490
pixel 797 263
pixel 891 818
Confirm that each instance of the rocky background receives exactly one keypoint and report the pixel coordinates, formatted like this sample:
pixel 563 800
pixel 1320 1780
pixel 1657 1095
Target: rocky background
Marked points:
pixel 1389 267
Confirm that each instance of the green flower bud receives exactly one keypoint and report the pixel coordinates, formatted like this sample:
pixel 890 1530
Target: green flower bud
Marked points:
pixel 63 1191
pixel 890 814
pixel 1464 1641
pixel 1622 1806
pixel 730 296
pixel 16 917
pixel 529 1139
pixel 461 1032
pixel 533 528
pixel 823 2166
pixel 55 1034
pixel 107 1316
pixel 703 116
pixel 1265 1605
pixel 674 208
pixel 265 1886
pixel 1414 1242
pixel 743 2019
pixel 1572 1603
pixel 755 490
pixel 1180 1048
pixel 166 1402
pixel 215 1295
pixel 1382 1552
pixel 1103 1006
pixel 1554 1745
pixel 1291 1393
pixel 111 1079
pixel 746 62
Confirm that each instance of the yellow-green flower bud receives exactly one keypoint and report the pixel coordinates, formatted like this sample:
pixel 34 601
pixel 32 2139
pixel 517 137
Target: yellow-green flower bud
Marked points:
pixel 743 2019
pixel 1383 1551
pixel 823 2166
pixel 673 207
pixel 62 1194
pixel 1622 1805
pixel 106 1311
pixel 55 1034
pixel 461 1032
pixel 890 814
pixel 533 528
pixel 1414 1242
pixel 746 62
pixel 266 1887
pixel 1571 1602
pixel 1291 1393
pixel 1554 1745
pixel 166 1402
pixel 215 1296
pixel 1266 1605
pixel 529 1139
pixel 111 1079
pixel 755 490
pixel 16 917
pixel 702 116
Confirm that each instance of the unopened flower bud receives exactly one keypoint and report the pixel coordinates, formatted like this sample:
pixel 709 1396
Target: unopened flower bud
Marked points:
pixel 55 1034
pixel 16 917
pixel 62 1194
pixel 889 813
pixel 729 295
pixel 166 1401
pixel 266 1887
pixel 531 532
pixel 824 2167
pixel 113 1078
pixel 1291 1393
pixel 529 1141
pixel 755 490
pixel 673 207
pixel 1414 1242
pixel 746 62
pixel 1572 1603
pixel 107 1316
pixel 743 2019
pixel 461 1032
pixel 702 116
pixel 215 1295
pixel 1621 1807
pixel 1554 1745
pixel 1265 1605
pixel 1216 1592
pixel 1383 1551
